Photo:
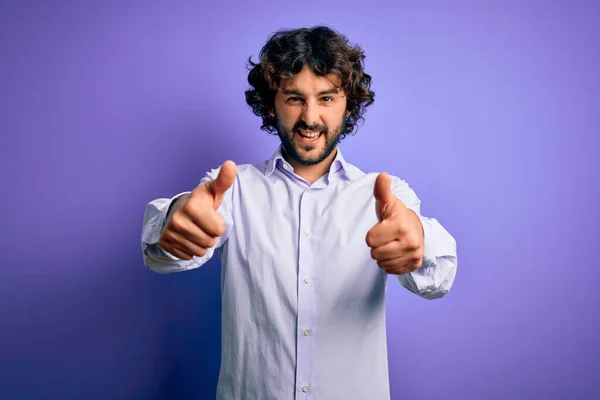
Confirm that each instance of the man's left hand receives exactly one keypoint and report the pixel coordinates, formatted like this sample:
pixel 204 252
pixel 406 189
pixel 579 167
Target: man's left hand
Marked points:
pixel 396 241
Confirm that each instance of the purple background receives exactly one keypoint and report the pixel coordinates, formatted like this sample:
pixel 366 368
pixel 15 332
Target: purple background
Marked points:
pixel 489 110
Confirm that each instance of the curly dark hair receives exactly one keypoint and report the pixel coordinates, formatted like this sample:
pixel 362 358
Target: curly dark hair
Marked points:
pixel 325 51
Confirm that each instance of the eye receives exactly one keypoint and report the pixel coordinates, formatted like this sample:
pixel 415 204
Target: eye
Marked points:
pixel 294 99
pixel 327 99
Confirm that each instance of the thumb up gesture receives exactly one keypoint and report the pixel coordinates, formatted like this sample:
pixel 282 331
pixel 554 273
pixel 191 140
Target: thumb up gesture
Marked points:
pixel 396 241
pixel 194 224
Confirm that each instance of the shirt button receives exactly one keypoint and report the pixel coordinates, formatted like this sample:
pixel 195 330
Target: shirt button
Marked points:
pixel 305 388
pixel 307 232
pixel 307 279
pixel 306 332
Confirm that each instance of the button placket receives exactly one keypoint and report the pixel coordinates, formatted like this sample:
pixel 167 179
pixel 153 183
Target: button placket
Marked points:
pixel 306 317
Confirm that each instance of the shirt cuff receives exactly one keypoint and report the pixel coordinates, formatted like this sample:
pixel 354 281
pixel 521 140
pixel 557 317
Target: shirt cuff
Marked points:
pixel 436 275
pixel 155 223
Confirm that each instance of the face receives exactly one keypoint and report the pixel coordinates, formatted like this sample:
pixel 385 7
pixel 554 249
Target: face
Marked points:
pixel 310 111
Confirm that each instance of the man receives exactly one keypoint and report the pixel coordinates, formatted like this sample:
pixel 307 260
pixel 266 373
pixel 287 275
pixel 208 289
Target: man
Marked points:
pixel 306 239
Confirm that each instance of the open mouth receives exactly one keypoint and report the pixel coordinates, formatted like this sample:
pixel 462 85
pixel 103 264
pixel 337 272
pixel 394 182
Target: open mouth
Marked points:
pixel 308 136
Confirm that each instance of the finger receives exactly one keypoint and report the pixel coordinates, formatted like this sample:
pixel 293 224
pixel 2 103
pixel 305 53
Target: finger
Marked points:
pixel 186 228
pixel 188 247
pixel 204 217
pixel 401 265
pixel 211 223
pixel 170 246
pixel 175 243
pixel 181 254
pixel 398 265
pixel 388 251
pixel 222 183
pixel 380 234
pixel 384 197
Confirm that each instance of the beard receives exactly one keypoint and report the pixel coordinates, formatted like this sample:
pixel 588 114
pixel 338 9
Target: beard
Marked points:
pixel 291 146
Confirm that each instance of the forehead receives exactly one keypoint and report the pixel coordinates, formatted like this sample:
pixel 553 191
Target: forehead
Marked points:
pixel 307 81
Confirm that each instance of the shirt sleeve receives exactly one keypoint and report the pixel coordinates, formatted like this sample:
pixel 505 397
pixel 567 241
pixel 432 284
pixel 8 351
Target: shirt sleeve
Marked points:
pixel 159 260
pixel 436 275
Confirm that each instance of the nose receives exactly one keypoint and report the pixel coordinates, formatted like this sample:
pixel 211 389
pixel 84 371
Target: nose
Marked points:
pixel 310 114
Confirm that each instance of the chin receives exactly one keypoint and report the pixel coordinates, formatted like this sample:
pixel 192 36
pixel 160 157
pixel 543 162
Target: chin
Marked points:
pixel 312 159
pixel 313 155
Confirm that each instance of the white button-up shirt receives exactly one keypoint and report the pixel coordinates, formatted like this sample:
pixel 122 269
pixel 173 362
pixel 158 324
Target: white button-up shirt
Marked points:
pixel 303 312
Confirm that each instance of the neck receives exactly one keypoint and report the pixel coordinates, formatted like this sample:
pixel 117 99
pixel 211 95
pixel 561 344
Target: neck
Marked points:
pixel 311 172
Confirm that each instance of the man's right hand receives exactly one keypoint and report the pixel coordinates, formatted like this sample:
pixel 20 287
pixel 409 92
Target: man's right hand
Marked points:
pixel 194 224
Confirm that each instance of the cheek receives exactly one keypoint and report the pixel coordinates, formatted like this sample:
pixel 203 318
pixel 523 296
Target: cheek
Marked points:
pixel 334 119
pixel 287 116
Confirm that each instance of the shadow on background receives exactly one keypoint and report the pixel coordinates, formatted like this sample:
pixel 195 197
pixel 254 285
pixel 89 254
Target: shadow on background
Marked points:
pixel 190 345
pixel 90 321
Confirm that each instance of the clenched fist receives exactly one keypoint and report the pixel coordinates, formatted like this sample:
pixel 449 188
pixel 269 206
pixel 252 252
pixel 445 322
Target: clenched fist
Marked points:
pixel 194 224
pixel 396 241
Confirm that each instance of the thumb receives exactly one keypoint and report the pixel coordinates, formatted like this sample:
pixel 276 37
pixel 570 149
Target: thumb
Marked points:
pixel 383 194
pixel 224 180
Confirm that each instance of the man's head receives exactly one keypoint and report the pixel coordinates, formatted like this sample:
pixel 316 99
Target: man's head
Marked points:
pixel 309 82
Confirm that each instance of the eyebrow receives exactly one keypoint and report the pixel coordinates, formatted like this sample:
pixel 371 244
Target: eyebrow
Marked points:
pixel 299 93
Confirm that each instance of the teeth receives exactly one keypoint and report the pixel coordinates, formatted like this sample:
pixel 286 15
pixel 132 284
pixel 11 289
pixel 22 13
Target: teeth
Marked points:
pixel 310 135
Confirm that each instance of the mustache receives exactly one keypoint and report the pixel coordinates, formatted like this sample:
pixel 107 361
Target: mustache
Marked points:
pixel 304 126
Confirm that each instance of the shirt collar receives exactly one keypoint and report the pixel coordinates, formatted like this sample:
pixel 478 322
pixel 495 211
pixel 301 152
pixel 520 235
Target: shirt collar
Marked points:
pixel 339 165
